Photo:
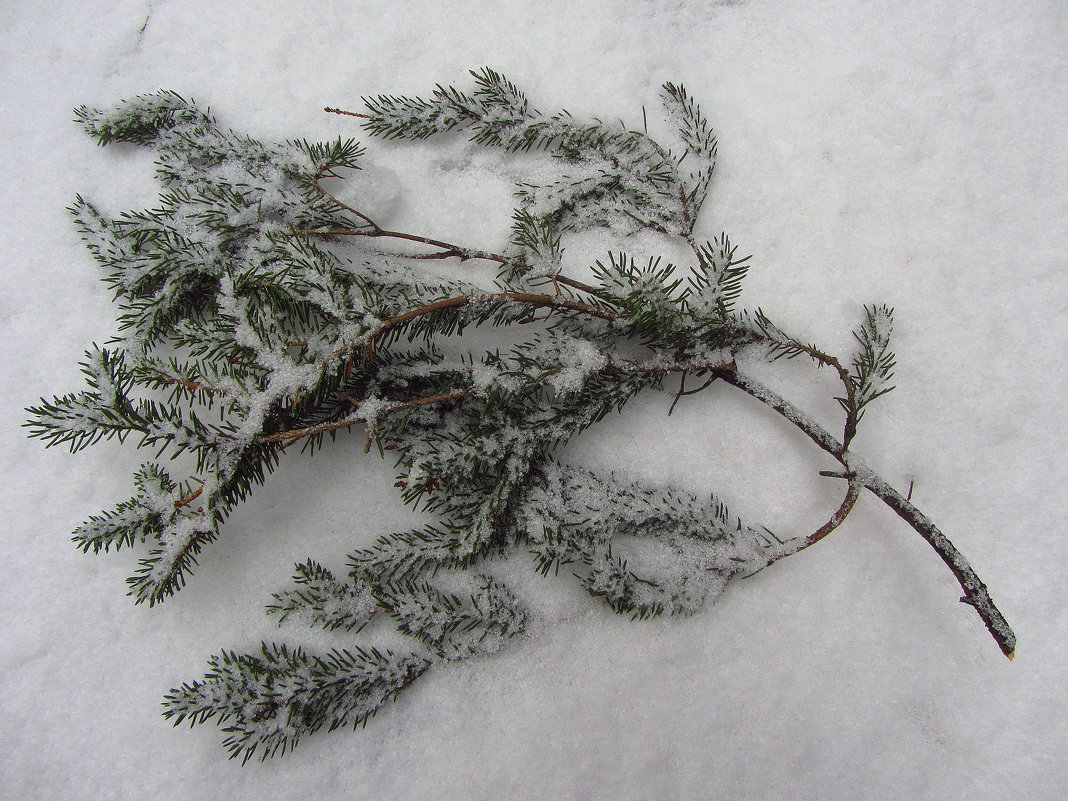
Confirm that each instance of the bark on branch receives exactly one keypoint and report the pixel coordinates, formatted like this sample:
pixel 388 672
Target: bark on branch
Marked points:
pixel 976 594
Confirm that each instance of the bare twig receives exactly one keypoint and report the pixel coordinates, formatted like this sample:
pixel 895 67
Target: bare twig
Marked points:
pixel 289 437
pixel 683 391
pixel 537 301
pixel 347 113
pixel 975 591
pixel 446 250
pixel 188 499
pixel 976 594
pixel 680 393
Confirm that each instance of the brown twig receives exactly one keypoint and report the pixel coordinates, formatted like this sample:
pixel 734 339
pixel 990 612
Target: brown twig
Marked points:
pixel 835 520
pixel 680 393
pixel 571 282
pixel 447 250
pixel 682 387
pixel 188 499
pixel 289 437
pixel 535 300
pixel 347 113
pixel 976 594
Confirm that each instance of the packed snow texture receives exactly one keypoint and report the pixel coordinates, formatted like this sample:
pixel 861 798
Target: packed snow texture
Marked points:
pixel 910 153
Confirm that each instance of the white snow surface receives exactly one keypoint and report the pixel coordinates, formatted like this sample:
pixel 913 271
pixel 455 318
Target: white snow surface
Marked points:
pixel 908 152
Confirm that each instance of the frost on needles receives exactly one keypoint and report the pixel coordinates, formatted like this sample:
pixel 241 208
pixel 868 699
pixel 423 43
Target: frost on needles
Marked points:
pixel 258 312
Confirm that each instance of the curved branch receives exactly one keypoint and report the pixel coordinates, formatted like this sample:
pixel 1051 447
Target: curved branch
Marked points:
pixel 975 591
pixel 794 546
pixel 850 500
pixel 976 594
pixel 852 412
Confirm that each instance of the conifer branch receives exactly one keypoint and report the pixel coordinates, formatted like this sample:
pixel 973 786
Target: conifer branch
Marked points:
pixel 782 345
pixel 447 250
pixel 228 304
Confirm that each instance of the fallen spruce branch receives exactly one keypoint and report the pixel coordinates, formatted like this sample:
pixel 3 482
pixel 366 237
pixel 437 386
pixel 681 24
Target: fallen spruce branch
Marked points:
pixel 255 313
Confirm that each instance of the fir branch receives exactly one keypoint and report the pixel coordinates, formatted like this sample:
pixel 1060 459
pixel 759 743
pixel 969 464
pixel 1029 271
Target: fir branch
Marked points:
pixel 873 366
pixel 261 336
pixel 324 601
pixel 455 628
pixel 699 143
pixel 134 520
pixel 616 176
pixel 270 702
pixel 716 282
pixel 780 345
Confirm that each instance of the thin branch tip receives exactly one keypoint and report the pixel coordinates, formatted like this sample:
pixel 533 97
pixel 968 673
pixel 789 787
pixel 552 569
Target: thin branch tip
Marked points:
pixel 331 110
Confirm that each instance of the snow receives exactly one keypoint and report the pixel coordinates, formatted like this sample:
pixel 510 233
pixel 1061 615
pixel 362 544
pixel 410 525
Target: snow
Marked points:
pixel 908 153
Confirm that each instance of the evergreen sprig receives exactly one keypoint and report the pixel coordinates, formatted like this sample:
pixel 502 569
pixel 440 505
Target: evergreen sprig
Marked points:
pixel 698 141
pixel 610 175
pixel 257 311
pixel 873 365
pixel 271 701
pixel 321 600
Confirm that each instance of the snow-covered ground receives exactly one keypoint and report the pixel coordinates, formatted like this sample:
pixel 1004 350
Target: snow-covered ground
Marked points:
pixel 908 152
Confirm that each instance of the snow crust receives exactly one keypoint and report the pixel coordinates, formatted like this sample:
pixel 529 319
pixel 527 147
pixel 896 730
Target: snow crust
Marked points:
pixel 909 153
